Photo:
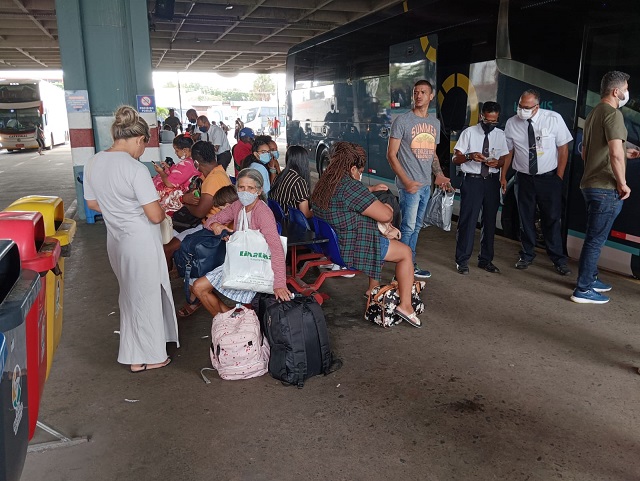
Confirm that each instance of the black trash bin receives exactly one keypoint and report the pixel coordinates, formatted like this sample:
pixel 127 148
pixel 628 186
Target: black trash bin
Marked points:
pixel 18 293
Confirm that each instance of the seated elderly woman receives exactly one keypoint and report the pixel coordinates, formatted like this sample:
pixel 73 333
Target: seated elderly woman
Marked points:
pixel 342 200
pixel 291 187
pixel 208 289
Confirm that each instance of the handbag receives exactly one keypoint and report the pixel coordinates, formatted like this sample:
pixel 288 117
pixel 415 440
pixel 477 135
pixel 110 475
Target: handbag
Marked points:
pixel 389 231
pixel 166 230
pixel 440 209
pixel 383 300
pixel 199 253
pixel 183 219
pixel 247 265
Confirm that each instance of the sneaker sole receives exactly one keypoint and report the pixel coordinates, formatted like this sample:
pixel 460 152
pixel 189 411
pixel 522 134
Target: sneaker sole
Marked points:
pixel 419 276
pixel 581 300
pixel 600 291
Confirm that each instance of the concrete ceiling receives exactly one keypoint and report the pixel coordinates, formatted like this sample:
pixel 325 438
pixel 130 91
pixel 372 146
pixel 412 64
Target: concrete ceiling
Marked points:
pixel 204 35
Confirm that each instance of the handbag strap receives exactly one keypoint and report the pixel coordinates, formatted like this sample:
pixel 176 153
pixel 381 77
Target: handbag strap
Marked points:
pixel 243 220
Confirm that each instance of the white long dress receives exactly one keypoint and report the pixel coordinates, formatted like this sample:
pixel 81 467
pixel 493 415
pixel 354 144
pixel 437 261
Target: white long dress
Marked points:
pixel 121 185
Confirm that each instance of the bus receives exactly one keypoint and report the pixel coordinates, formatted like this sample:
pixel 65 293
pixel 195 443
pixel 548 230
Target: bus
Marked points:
pixel 350 84
pixel 26 103
pixel 256 117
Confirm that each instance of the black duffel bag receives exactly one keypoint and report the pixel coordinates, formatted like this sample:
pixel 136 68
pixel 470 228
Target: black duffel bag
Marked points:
pixel 298 337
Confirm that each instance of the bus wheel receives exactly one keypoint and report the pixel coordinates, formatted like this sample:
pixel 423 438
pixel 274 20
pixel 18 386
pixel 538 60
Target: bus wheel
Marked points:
pixel 323 161
pixel 510 218
pixel 635 266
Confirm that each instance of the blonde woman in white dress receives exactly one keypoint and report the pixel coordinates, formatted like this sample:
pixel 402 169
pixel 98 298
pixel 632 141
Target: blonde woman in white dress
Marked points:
pixel 120 187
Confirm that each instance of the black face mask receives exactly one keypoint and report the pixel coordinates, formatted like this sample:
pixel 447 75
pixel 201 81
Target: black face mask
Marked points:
pixel 487 127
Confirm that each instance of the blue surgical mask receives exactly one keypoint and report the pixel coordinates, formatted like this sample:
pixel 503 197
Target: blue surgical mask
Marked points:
pixel 265 158
pixel 275 154
pixel 247 198
pixel 203 129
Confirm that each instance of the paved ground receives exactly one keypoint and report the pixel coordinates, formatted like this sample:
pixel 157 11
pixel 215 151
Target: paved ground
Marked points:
pixel 508 380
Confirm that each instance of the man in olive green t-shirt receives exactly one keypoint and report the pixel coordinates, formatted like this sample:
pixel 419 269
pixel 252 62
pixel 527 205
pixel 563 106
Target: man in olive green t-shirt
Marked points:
pixel 603 184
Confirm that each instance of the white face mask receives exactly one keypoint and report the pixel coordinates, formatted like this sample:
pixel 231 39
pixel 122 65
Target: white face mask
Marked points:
pixel 623 100
pixel 525 114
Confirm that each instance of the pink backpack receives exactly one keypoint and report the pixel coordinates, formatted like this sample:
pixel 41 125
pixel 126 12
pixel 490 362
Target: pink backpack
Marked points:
pixel 238 348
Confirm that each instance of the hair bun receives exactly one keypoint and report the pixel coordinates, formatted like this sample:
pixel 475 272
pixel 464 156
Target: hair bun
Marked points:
pixel 126 117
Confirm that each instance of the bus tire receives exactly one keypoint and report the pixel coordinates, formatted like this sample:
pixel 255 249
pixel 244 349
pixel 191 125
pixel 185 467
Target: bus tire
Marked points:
pixel 635 266
pixel 323 160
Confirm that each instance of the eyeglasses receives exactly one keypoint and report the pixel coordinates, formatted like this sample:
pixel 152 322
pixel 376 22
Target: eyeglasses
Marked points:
pixel 489 122
pixel 264 151
pixel 527 108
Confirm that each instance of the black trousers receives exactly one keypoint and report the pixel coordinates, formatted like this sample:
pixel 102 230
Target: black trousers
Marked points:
pixel 545 191
pixel 476 194
pixel 224 159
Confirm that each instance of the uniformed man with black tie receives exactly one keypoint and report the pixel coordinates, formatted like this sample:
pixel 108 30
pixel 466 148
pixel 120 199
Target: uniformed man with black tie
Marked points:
pixel 480 152
pixel 538 140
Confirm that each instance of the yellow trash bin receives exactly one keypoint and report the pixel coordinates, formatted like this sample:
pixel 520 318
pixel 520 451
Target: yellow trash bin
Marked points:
pixel 56 226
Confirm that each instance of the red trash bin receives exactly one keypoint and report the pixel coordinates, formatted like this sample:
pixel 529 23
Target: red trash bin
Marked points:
pixel 40 254
pixel 19 290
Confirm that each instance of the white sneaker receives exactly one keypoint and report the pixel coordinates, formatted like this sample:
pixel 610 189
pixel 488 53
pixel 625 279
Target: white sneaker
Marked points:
pixel 327 266
pixel 336 267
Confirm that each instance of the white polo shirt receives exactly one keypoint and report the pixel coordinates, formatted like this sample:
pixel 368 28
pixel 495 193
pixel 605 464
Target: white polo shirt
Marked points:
pixel 471 140
pixel 551 132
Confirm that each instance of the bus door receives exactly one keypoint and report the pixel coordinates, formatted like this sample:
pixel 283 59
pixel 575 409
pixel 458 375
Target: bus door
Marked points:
pixel 605 49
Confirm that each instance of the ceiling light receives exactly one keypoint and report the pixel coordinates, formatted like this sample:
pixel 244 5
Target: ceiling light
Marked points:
pixel 228 7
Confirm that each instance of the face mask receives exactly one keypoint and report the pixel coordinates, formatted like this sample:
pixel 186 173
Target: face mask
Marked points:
pixel 487 127
pixel 275 154
pixel 265 158
pixel 525 114
pixel 623 100
pixel 203 129
pixel 247 198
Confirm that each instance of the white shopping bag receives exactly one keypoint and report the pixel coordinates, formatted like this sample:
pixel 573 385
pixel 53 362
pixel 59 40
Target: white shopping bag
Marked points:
pixel 247 264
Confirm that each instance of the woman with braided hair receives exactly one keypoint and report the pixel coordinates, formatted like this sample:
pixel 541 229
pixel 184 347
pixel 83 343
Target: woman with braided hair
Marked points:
pixel 342 200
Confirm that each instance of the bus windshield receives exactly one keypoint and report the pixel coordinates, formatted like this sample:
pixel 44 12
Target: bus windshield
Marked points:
pixel 14 121
pixel 19 93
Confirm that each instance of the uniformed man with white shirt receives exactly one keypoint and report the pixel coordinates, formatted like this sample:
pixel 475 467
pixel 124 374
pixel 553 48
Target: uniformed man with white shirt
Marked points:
pixel 480 152
pixel 214 134
pixel 538 141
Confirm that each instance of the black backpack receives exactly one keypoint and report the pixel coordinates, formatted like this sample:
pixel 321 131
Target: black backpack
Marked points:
pixel 298 336
pixel 199 253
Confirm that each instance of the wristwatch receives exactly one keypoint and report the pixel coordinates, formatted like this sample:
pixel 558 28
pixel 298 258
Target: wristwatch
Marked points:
pixel 467 156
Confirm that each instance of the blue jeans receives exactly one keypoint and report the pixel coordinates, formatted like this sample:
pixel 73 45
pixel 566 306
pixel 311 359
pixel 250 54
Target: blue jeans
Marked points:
pixel 413 207
pixel 603 206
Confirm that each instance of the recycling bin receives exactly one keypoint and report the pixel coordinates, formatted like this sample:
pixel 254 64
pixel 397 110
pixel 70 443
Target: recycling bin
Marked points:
pixel 41 254
pixel 19 291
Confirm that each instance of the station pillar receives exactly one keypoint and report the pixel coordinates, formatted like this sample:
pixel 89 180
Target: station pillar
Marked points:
pixel 106 62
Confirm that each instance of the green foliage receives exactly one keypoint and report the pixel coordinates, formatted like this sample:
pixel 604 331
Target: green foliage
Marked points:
pixel 162 113
pixel 263 88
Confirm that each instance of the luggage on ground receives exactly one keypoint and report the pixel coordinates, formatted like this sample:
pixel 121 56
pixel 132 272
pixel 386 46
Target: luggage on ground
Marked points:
pixel 238 348
pixel 298 337
pixel 383 301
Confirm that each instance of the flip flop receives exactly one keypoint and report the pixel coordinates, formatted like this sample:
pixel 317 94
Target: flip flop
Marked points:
pixel 188 309
pixel 411 319
pixel 145 366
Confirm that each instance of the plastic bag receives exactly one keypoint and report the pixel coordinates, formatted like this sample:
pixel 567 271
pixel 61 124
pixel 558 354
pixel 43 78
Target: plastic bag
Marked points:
pixel 247 265
pixel 440 209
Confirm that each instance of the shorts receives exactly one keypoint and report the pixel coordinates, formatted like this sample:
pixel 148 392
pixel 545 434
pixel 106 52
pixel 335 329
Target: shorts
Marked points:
pixel 384 247
pixel 230 297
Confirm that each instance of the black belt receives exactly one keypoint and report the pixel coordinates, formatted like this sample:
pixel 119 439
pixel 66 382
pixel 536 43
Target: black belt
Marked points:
pixel 546 174
pixel 479 176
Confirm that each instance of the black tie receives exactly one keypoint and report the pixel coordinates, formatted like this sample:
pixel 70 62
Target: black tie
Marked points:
pixel 533 154
pixel 484 168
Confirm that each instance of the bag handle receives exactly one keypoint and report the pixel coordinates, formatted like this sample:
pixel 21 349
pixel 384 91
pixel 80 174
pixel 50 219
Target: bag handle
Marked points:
pixel 243 221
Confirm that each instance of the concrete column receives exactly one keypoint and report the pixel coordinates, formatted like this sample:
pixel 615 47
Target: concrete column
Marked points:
pixel 106 57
